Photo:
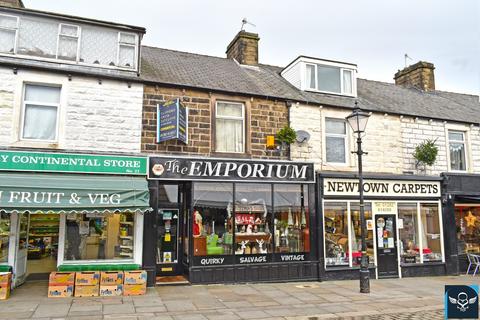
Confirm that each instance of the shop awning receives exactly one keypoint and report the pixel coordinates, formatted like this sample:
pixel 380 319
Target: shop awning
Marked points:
pixel 69 193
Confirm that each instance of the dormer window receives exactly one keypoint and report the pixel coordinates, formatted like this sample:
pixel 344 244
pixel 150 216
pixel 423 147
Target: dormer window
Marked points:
pixel 323 76
pixel 8 33
pixel 126 49
pixel 67 42
pixel 330 79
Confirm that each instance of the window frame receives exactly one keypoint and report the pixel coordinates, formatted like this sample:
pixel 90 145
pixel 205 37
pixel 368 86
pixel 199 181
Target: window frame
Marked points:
pixel 216 116
pixel 465 148
pixel 15 29
pixel 125 44
pixel 341 70
pixel 77 37
pixel 337 135
pixel 43 104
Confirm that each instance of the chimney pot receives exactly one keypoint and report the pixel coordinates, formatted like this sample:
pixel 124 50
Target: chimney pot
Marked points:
pixel 419 75
pixel 244 48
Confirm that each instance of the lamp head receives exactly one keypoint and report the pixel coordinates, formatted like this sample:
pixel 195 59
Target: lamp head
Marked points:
pixel 358 119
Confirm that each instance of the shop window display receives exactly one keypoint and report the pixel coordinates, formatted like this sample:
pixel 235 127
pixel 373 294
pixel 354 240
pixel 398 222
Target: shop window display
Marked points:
pixel 291 223
pixel 430 229
pixel 99 236
pixel 4 236
pixel 167 224
pixel 356 234
pixel 253 204
pixel 336 233
pixel 409 237
pixel 212 218
pixel 468 229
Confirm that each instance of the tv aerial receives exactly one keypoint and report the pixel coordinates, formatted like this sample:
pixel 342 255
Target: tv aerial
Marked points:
pixel 245 22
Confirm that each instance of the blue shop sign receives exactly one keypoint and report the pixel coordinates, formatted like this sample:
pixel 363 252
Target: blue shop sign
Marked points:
pixel 172 121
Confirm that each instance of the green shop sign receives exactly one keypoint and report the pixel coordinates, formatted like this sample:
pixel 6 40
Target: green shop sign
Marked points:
pixel 72 163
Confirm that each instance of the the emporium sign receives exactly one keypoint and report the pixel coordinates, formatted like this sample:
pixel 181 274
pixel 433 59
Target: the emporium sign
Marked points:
pixel 209 169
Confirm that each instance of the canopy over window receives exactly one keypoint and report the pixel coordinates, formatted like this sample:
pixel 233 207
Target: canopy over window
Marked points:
pixel 68 193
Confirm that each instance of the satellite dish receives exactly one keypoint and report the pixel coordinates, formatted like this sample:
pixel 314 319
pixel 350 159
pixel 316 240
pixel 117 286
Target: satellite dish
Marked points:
pixel 302 136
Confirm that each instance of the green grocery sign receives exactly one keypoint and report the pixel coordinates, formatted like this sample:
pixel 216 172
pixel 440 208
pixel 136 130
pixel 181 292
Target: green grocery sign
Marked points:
pixel 66 162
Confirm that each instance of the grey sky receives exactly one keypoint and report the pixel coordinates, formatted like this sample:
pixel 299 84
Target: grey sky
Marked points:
pixel 374 34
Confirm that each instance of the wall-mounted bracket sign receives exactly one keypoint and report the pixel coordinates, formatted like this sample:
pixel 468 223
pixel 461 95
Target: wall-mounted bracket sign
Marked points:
pixel 72 163
pixel 209 169
pixel 172 121
pixel 390 188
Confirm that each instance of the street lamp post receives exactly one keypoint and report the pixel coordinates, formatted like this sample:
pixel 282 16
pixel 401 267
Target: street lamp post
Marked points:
pixel 358 121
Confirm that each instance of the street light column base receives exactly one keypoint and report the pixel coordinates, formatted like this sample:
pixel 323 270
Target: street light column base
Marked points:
pixel 364 281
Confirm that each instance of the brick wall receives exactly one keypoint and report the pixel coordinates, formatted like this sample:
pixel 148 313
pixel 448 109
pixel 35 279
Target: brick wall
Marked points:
pixel 265 117
pixel 244 48
pixel 92 116
pixel 12 3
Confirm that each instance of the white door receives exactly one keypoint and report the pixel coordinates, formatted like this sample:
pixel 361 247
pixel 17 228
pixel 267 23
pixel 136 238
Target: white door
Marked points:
pixel 21 252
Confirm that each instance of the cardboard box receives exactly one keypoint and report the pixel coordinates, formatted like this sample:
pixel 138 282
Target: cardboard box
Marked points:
pixel 87 278
pixel 57 291
pixel 135 277
pixel 4 291
pixel 5 278
pixel 86 291
pixel 111 277
pixel 61 278
pixel 134 289
pixel 111 290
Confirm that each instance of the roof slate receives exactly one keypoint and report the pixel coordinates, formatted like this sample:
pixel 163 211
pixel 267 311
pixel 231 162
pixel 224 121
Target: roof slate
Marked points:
pixel 171 67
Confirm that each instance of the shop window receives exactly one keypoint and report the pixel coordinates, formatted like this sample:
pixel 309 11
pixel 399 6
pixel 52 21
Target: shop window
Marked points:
pixel 456 140
pixel 409 237
pixel 99 236
pixel 40 112
pixel 4 236
pixel 468 229
pixel 430 231
pixel 126 49
pixel 230 127
pixel 336 140
pixel 291 224
pixel 356 233
pixel 8 33
pixel 67 42
pixel 167 224
pixel 336 233
pixel 253 204
pixel 212 218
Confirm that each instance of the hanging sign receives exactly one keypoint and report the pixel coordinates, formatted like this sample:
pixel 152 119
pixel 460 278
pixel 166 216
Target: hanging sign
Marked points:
pixel 70 162
pixel 172 121
pixel 208 169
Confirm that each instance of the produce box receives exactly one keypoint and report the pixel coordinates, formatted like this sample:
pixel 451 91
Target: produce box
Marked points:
pixel 5 277
pixel 86 291
pixel 87 278
pixel 111 277
pixel 4 291
pixel 135 277
pixel 134 289
pixel 58 291
pixel 111 290
pixel 61 278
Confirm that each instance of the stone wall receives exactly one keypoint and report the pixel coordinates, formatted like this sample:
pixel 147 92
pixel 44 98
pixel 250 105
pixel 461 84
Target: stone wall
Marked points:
pixel 244 48
pixel 264 117
pixel 92 116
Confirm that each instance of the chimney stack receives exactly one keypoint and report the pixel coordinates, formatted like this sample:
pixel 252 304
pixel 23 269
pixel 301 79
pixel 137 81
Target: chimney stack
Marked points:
pixel 419 75
pixel 12 3
pixel 244 48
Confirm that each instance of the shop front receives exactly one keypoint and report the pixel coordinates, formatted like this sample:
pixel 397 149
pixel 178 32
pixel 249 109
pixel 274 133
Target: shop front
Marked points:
pixel 461 197
pixel 74 212
pixel 404 226
pixel 227 221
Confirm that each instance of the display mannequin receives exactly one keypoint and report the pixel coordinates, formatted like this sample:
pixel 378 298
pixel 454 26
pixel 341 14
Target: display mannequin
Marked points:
pixel 197 223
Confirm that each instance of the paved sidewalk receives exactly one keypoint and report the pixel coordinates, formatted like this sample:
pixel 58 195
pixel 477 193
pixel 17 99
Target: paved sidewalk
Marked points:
pixel 409 298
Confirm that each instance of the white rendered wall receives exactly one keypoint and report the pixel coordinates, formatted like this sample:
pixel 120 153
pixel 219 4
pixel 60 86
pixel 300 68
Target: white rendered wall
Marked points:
pixel 93 117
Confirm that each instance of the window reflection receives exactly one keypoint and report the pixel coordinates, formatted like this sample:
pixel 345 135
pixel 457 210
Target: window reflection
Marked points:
pixel 356 239
pixel 409 237
pixel 430 232
pixel 336 233
pixel 468 229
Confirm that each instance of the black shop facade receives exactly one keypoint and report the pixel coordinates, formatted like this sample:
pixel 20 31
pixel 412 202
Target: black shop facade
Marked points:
pixel 230 221
pixel 404 220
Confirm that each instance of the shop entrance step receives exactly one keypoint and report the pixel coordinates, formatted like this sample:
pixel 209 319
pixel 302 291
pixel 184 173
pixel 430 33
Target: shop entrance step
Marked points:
pixel 171 280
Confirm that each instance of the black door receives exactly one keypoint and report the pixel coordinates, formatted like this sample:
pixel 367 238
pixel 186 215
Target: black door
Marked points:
pixel 386 235
pixel 169 225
